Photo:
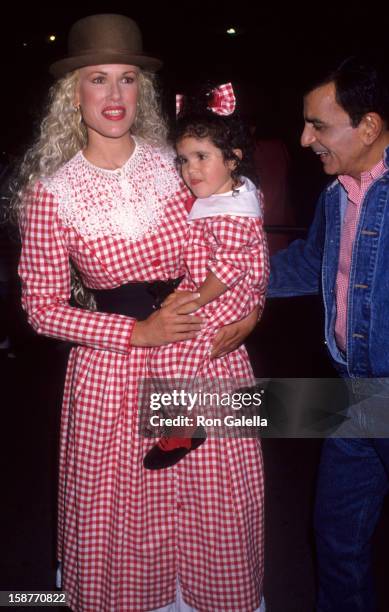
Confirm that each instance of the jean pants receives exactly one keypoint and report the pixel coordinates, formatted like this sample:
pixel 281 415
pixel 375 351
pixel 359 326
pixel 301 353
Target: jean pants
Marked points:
pixel 353 481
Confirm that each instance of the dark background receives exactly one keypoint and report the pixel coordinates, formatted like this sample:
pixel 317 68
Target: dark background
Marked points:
pixel 278 51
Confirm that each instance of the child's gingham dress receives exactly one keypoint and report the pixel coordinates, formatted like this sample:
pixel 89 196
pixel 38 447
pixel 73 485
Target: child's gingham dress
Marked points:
pixel 226 237
pixel 126 533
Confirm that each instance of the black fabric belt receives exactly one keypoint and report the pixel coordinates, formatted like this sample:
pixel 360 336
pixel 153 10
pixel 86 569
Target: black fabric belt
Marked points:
pixel 137 300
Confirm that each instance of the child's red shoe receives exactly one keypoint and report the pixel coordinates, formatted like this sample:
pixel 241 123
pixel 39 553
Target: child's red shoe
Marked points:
pixel 169 451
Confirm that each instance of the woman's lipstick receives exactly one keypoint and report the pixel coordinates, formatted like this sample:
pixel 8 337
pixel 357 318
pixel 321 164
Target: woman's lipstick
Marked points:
pixel 114 113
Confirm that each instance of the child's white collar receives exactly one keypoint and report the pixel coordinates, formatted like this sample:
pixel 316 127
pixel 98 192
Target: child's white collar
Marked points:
pixel 245 203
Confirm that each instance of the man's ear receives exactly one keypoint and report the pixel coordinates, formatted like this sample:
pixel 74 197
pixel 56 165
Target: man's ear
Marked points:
pixel 370 126
pixel 238 153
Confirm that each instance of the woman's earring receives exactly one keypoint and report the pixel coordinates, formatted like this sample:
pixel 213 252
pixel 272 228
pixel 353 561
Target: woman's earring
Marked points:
pixel 76 108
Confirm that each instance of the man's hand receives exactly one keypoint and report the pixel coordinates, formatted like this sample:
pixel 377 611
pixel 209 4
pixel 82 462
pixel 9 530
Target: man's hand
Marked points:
pixel 230 337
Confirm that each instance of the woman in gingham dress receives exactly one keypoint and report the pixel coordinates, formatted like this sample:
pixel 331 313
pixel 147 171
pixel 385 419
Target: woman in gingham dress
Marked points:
pixel 226 262
pixel 98 191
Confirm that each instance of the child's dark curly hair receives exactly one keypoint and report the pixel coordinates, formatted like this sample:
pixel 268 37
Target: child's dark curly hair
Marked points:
pixel 225 132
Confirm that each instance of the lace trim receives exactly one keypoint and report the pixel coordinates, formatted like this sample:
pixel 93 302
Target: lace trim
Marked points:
pixel 126 203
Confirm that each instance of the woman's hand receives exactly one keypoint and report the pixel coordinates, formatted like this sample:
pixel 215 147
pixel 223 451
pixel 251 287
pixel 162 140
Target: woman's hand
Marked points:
pixel 230 337
pixel 187 308
pixel 171 323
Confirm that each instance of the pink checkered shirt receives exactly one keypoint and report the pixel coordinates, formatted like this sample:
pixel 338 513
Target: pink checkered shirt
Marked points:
pixel 356 192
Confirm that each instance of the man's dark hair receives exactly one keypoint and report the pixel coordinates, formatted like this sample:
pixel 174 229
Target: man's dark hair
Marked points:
pixel 362 86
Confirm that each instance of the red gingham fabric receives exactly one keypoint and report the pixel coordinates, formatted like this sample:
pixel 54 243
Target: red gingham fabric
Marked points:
pixel 356 193
pixel 234 249
pixel 125 533
pixel 222 100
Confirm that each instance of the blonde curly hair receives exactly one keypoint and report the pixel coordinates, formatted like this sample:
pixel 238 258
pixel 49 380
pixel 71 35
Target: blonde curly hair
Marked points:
pixel 63 133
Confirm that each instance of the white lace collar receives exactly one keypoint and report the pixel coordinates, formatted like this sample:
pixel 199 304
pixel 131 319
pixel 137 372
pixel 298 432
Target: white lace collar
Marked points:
pixel 127 202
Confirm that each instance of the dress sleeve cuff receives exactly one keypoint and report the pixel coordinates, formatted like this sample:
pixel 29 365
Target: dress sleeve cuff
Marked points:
pixel 227 274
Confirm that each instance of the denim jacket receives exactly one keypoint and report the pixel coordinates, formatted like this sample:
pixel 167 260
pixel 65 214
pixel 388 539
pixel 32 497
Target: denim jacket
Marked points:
pixel 311 265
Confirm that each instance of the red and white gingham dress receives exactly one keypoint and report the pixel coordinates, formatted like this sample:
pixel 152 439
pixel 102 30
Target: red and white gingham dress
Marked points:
pixel 233 247
pixel 126 533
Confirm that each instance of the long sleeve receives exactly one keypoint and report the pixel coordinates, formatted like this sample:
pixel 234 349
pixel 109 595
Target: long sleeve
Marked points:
pixel 239 259
pixel 297 269
pixel 238 246
pixel 45 274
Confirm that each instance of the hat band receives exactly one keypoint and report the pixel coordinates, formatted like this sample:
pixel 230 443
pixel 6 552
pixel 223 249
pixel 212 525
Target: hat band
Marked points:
pixel 99 51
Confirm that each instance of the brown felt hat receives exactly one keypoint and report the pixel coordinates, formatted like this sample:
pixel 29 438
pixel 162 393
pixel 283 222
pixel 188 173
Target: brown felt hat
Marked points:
pixel 104 39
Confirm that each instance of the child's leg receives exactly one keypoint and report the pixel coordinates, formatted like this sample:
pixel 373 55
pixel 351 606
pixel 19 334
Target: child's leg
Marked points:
pixel 178 371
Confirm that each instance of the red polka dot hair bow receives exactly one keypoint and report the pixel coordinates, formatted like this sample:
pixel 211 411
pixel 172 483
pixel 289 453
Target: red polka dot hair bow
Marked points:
pixel 221 100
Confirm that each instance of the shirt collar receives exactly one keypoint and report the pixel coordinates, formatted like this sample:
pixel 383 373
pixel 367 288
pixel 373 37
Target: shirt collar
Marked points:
pixel 350 184
pixel 386 157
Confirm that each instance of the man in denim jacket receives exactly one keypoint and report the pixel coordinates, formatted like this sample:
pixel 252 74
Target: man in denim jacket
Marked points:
pixel 346 257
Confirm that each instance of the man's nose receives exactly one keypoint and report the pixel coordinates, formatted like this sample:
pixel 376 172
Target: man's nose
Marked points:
pixel 308 136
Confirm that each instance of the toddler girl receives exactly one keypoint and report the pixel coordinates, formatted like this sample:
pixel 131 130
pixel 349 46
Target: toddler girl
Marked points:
pixel 225 260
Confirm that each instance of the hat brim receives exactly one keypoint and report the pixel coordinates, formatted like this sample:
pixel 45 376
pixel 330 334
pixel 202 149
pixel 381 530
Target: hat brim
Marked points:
pixel 61 67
